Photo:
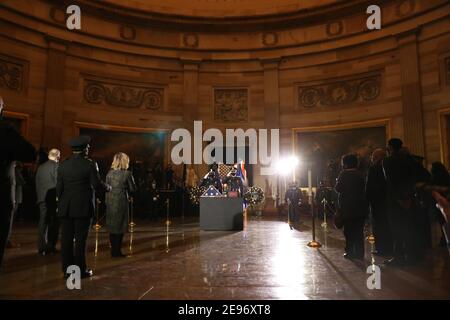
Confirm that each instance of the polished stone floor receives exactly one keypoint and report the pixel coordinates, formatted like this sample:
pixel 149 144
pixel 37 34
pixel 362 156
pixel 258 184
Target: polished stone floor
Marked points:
pixel 267 260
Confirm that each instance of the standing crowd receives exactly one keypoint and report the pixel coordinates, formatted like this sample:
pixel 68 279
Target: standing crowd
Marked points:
pixel 66 196
pixel 398 194
pixel 77 181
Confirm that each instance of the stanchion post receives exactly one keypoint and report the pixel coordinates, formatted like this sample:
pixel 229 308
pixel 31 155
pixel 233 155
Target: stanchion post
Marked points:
pixel 132 224
pixel 324 224
pixel 313 243
pixel 97 225
pixel 96 243
pixel 167 211
pixel 167 224
pixel 371 238
pixel 131 242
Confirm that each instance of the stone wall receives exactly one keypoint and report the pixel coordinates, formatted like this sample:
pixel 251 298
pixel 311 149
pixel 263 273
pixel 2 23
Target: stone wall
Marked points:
pixel 312 69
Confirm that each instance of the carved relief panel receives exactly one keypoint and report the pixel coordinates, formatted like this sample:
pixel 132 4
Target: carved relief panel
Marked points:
pixel 231 104
pixel 12 73
pixel 123 94
pixel 341 92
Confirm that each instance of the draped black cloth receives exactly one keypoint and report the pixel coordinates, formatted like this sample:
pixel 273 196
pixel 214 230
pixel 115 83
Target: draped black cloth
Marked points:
pixel 13 147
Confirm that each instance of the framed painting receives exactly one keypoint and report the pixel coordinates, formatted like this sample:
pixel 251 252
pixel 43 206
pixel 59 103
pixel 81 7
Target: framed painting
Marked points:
pixel 18 121
pixel 147 148
pixel 321 148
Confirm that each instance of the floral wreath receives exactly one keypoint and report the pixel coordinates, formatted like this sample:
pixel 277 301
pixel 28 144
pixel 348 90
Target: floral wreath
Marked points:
pixel 195 193
pixel 254 196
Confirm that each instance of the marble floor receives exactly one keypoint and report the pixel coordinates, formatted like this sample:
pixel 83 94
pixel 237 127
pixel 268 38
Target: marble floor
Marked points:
pixel 267 260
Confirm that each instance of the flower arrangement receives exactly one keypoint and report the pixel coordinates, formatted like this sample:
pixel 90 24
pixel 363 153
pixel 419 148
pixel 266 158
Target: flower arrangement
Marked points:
pixel 254 196
pixel 195 193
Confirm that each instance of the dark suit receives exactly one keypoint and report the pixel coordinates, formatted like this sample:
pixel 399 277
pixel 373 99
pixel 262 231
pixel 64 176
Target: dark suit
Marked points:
pixel 400 178
pixel 212 179
pixel 293 195
pixel 376 194
pixel 46 181
pixel 12 147
pixel 352 202
pixel 75 188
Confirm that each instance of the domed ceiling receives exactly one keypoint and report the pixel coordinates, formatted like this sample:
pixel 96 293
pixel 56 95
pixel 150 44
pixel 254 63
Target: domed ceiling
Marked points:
pixel 224 15
pixel 220 8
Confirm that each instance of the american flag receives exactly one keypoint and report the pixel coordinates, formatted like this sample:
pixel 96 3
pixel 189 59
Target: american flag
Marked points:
pixel 211 192
pixel 241 172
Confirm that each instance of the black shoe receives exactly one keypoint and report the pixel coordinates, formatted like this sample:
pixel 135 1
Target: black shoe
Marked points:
pixel 118 255
pixel 394 262
pixel 42 252
pixel 348 256
pixel 87 274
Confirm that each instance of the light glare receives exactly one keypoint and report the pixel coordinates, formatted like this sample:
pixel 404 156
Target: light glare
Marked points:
pixel 287 165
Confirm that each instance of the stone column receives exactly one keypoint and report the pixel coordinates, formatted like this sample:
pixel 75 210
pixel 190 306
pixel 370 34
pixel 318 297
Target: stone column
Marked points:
pixel 271 93
pixel 411 92
pixel 190 91
pixel 271 121
pixel 190 98
pixel 54 94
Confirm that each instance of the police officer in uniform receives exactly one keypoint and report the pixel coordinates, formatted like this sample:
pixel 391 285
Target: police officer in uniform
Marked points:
pixel 212 178
pixel 77 180
pixel 293 198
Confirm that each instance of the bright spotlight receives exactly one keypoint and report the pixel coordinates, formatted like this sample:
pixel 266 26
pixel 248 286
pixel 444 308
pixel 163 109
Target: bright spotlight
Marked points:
pixel 287 165
pixel 282 167
pixel 293 161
